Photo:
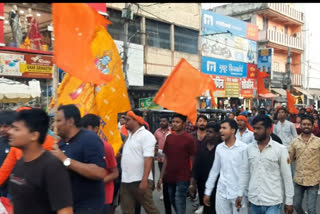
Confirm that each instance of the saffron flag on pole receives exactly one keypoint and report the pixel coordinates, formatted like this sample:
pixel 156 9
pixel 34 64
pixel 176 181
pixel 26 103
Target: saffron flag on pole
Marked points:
pixel 75 25
pixel 261 89
pixel 291 101
pixel 180 91
pixel 104 100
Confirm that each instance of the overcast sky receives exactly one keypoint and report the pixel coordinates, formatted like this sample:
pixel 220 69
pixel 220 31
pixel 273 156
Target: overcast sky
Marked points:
pixel 312 49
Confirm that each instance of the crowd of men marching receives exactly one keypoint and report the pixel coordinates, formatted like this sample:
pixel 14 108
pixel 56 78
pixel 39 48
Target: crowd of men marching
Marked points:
pixel 242 164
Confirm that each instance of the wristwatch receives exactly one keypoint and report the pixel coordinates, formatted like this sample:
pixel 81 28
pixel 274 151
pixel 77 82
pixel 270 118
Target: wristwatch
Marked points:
pixel 67 162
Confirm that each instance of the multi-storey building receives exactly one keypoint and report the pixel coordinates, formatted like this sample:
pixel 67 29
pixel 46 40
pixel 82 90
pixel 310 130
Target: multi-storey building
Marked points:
pixel 166 32
pixel 280 27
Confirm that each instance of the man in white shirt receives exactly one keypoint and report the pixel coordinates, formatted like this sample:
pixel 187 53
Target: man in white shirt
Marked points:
pixel 284 128
pixel 265 171
pixel 136 164
pixel 228 159
pixel 243 133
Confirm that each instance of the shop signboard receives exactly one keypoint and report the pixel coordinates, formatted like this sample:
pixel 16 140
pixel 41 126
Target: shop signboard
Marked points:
pixel 252 71
pixel 10 64
pixel 247 87
pixel 36 66
pixel 224 46
pixel 147 103
pixel 277 79
pixel 265 60
pixel 217 23
pixel 222 67
pixel 234 87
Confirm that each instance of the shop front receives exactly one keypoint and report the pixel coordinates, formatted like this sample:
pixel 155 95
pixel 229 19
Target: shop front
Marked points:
pixel 26 44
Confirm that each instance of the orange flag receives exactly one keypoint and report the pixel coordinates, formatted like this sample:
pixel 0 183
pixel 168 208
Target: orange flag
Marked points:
pixel 291 101
pixel 261 89
pixel 105 100
pixel 180 91
pixel 75 26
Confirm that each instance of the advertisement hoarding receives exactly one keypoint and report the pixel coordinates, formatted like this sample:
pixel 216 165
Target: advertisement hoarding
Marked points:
pixel 234 87
pixel 223 67
pixel 26 65
pixel 10 64
pixel 265 60
pixel 216 23
pixel 224 46
pixel 36 66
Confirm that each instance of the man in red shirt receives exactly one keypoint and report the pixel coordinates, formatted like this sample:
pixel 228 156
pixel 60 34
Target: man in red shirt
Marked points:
pixel 92 123
pixel 178 149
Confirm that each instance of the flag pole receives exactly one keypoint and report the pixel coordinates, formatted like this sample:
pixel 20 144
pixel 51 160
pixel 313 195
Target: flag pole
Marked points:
pixel 55 90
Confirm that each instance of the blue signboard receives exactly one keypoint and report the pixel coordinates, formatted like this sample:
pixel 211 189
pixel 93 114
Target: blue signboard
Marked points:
pixel 265 60
pixel 223 67
pixel 216 23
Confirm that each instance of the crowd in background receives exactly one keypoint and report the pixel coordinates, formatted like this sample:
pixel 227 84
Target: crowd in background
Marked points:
pixel 259 160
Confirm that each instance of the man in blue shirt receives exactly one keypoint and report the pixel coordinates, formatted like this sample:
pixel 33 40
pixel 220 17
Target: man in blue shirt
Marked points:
pixel 82 152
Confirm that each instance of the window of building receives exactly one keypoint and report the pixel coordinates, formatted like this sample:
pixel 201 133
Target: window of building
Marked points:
pixel 116 28
pixel 134 30
pixel 247 20
pixel 286 29
pixel 185 40
pixel 158 34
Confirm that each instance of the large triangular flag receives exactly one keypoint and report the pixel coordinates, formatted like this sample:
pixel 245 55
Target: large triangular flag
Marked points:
pixel 75 25
pixel 261 89
pixel 180 91
pixel 291 101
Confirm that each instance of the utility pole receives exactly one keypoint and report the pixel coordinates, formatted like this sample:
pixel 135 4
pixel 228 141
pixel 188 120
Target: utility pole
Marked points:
pixel 125 14
pixel 288 66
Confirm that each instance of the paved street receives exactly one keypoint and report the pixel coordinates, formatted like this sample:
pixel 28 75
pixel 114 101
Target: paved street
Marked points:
pixel 160 206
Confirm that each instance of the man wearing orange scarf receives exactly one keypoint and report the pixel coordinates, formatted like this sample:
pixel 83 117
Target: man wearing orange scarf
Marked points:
pixel 136 164
pixel 244 132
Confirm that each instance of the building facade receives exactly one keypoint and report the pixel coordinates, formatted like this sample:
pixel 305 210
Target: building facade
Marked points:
pixel 280 29
pixel 166 32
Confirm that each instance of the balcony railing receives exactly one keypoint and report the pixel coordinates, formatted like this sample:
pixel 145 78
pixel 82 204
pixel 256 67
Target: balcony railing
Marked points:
pixel 281 39
pixel 287 10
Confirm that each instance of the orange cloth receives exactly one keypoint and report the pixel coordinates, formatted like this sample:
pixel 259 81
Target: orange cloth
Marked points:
pixel 241 117
pixel 14 155
pixel 23 108
pixel 105 100
pixel 139 119
pixel 291 101
pixel 261 89
pixel 75 26
pixel 180 91
pixel 124 131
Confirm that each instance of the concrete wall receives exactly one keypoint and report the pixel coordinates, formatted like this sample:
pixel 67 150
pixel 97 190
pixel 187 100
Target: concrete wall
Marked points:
pixel 158 61
pixel 281 58
pixel 187 14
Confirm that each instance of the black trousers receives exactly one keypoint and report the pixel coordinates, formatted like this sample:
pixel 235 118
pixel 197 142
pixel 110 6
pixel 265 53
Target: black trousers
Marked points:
pixel 166 200
pixel 201 188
